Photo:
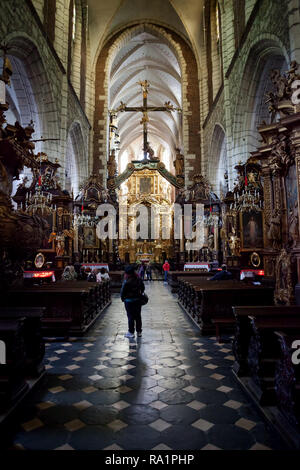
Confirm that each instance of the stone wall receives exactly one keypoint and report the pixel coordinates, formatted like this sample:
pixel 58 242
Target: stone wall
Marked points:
pixel 222 95
pixel 266 35
pixel 45 66
pixel 39 6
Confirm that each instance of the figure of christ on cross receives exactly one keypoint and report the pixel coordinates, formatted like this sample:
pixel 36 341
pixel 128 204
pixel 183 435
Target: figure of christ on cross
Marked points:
pixel 168 107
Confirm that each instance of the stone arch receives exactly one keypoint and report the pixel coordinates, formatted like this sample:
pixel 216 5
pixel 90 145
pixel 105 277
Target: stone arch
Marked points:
pixel 251 109
pixel 76 161
pixel 33 90
pixel 217 165
pixel 31 97
pixel 22 100
pixel 76 46
pixel 190 94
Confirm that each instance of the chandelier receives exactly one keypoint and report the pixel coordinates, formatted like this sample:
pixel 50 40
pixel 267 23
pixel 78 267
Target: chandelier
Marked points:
pixel 85 220
pixel 39 203
pixel 247 201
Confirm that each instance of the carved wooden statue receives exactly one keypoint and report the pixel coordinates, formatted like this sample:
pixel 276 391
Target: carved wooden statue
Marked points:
pixel 60 245
pixel 274 232
pixel 293 223
pixel 112 165
pixel 179 163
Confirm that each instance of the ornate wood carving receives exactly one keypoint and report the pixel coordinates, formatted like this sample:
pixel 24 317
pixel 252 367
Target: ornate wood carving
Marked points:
pixel 284 286
pixel 285 380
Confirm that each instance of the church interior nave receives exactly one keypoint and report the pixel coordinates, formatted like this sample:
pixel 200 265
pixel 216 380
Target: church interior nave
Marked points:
pixel 150 144
pixel 171 389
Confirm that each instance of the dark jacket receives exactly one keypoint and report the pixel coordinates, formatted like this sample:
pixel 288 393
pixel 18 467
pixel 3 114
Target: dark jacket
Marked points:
pixel 132 288
pixel 222 276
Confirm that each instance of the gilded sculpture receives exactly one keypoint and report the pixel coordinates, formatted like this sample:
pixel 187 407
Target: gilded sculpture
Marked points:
pixel 179 163
pixel 234 243
pixel 112 165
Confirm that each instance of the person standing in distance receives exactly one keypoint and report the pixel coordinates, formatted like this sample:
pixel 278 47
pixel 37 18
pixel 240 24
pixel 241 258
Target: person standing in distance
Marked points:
pixel 166 269
pixel 131 290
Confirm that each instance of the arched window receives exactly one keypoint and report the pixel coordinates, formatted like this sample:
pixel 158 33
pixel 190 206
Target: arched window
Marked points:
pixel 218 24
pixel 218 165
pixel 252 106
pixel 78 48
pixel 76 164
pixel 215 39
pixel 74 23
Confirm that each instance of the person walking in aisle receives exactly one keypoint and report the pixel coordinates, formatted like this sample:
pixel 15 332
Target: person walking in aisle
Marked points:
pixel 131 291
pixel 142 271
pixel 149 272
pixel 166 269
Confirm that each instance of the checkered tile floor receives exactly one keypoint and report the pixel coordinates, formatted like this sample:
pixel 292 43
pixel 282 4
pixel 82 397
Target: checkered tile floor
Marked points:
pixel 170 389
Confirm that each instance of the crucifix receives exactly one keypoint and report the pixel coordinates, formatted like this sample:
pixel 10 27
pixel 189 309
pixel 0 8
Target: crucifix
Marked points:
pixel 145 109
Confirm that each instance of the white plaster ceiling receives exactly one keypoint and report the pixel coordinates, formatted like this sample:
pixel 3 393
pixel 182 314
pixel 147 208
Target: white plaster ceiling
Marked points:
pixel 146 57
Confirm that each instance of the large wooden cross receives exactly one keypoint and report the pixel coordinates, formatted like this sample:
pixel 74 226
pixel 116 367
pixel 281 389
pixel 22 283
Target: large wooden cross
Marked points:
pixel 144 109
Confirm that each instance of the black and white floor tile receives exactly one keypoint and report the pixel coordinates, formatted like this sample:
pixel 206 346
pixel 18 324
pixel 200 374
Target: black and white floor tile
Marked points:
pixel 171 389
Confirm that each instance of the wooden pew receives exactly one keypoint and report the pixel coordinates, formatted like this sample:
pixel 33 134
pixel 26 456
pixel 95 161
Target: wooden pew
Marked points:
pixel 186 292
pixel 174 275
pixel 116 279
pixel 264 352
pixel 71 307
pixel 287 379
pixel 243 330
pixel 12 373
pixel 33 340
pixel 206 300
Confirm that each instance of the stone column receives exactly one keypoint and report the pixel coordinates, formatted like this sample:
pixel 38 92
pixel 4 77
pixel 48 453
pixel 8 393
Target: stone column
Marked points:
pixel 296 251
pixel 294 28
pixel 268 254
pixel 182 242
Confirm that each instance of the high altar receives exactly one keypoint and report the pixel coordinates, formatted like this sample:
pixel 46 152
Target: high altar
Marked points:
pixel 148 188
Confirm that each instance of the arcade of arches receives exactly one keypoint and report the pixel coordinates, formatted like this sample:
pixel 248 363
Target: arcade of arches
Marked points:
pixel 137 132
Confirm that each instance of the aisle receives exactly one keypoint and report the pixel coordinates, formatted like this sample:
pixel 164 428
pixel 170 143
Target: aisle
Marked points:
pixel 170 389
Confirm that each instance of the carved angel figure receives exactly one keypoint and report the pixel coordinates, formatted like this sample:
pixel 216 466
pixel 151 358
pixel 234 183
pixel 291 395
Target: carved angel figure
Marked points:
pixel 60 245
pixel 280 82
pixel 211 242
pixel 274 232
pixel 292 72
pixel 234 244
pixel 272 105
pixel 294 225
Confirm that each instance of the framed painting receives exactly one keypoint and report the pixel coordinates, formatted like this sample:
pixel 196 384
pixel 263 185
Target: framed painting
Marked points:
pixel 229 223
pixel 145 185
pixel 48 243
pixel 252 230
pixel 90 239
pixel 39 260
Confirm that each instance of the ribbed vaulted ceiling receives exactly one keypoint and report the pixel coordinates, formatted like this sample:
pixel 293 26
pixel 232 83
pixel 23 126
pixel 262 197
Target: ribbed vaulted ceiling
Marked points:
pixel 146 57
